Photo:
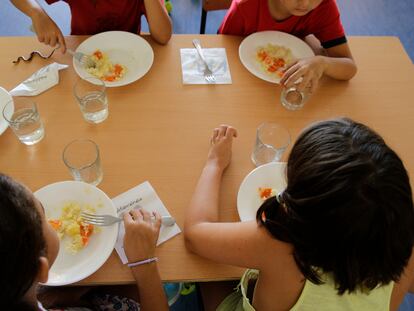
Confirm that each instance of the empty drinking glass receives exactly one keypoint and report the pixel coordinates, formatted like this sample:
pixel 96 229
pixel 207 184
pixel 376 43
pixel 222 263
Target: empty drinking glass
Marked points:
pixel 23 118
pixel 272 140
pixel 82 158
pixel 93 102
pixel 293 99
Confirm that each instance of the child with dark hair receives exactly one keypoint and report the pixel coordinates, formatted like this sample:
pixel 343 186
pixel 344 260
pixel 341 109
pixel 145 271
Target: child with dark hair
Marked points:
pixel 339 237
pixel 29 246
pixel 316 21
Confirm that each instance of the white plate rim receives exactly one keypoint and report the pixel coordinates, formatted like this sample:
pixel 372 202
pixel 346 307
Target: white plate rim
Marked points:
pixel 269 33
pixel 281 166
pixel 111 242
pixel 83 74
pixel 3 123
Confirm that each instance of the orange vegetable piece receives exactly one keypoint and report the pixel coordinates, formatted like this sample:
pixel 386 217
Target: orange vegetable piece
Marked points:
pixel 98 54
pixel 56 224
pixel 265 193
pixel 117 69
pixel 86 231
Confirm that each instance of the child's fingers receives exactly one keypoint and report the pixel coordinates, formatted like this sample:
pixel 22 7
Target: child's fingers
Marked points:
pixel 288 72
pixel 157 222
pixel 136 215
pixel 214 137
pixel 127 218
pixel 53 41
pixel 222 131
pixel 231 132
pixel 62 42
pixel 305 83
pixel 146 216
pixel 293 78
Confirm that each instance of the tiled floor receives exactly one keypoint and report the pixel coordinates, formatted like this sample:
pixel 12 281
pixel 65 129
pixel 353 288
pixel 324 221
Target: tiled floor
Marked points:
pixel 367 17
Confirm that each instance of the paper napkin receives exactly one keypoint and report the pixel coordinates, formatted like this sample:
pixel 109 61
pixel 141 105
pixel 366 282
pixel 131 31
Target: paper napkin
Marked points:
pixel 193 67
pixel 141 196
pixel 40 81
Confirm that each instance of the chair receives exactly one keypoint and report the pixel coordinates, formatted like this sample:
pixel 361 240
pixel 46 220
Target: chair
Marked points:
pixel 211 5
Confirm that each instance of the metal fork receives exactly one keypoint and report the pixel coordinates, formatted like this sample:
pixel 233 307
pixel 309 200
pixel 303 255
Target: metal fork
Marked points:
pixel 82 58
pixel 107 220
pixel 208 74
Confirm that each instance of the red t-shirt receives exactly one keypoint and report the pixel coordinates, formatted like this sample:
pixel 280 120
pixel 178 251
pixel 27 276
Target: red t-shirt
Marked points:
pixel 93 16
pixel 245 17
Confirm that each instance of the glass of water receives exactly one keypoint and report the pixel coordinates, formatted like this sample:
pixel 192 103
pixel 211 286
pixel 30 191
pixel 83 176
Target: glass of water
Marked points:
pixel 82 158
pixel 93 102
pixel 293 99
pixel 272 140
pixel 23 118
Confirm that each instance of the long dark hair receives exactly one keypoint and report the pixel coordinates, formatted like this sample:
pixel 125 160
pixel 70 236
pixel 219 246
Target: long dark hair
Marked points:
pixel 21 243
pixel 347 209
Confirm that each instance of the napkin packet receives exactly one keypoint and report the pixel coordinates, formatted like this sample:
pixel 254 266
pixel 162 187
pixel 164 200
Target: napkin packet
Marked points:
pixel 193 67
pixel 141 196
pixel 40 81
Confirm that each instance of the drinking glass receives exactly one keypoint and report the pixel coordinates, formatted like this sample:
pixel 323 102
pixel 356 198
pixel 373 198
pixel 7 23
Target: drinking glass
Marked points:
pixel 272 140
pixel 93 102
pixel 293 99
pixel 82 158
pixel 23 118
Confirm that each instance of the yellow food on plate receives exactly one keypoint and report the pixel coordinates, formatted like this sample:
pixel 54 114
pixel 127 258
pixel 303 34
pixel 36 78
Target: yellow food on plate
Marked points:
pixel 104 69
pixel 71 226
pixel 274 58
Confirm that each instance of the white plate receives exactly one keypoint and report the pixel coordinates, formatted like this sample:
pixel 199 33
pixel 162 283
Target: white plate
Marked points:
pixel 122 47
pixel 271 175
pixel 70 268
pixel 5 97
pixel 248 47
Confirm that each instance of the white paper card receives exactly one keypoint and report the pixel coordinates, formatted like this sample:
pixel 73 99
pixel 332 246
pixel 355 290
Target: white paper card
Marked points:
pixel 193 67
pixel 40 81
pixel 141 196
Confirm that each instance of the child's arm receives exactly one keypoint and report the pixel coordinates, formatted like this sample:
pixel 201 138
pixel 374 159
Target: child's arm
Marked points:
pixel 159 22
pixel 141 235
pixel 338 64
pixel 46 29
pixel 236 243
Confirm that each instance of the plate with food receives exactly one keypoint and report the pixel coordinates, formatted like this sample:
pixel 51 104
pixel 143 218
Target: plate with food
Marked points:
pixel 266 54
pixel 5 97
pixel 83 248
pixel 118 57
pixel 263 182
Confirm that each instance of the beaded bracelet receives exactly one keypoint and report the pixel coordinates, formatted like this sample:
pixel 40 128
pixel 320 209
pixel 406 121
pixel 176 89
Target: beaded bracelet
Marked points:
pixel 142 262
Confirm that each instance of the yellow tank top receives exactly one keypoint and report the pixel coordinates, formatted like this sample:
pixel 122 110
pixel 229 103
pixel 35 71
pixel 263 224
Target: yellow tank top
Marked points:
pixel 326 298
pixel 322 297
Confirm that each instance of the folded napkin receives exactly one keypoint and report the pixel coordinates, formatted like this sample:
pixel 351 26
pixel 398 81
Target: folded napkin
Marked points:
pixel 193 67
pixel 40 81
pixel 141 196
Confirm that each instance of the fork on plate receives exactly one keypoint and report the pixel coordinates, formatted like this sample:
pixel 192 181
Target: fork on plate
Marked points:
pixel 208 73
pixel 84 59
pixel 107 220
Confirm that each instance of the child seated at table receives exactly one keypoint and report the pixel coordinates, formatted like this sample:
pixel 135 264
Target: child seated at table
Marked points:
pixel 90 17
pixel 29 246
pixel 339 237
pixel 316 20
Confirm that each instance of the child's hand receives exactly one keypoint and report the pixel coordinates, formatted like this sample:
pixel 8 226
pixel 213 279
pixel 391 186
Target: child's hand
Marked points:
pixel 141 234
pixel 309 69
pixel 221 143
pixel 47 31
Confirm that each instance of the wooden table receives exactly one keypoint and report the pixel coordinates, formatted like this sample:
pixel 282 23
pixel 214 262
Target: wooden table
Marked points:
pixel 158 129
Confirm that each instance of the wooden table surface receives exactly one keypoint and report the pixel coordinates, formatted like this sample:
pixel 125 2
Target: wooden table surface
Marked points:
pixel 158 129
